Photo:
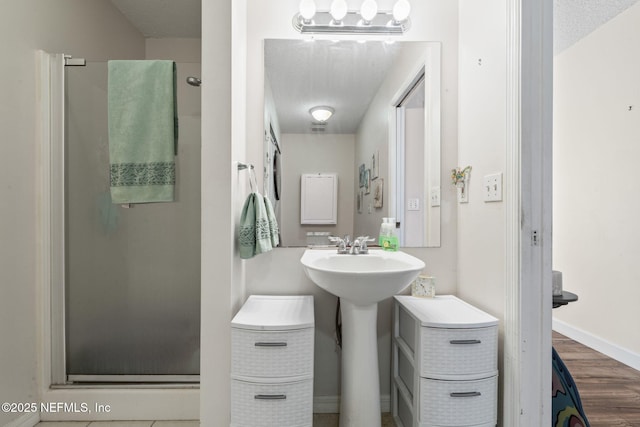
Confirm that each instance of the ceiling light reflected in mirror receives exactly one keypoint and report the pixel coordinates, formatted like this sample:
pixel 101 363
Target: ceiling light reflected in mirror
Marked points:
pixel 321 113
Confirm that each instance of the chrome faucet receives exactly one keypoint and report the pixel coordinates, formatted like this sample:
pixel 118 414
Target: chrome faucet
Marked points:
pixel 360 245
pixel 345 246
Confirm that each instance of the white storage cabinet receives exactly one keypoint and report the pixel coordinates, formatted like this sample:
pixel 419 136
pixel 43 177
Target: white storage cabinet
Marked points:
pixel 272 341
pixel 445 359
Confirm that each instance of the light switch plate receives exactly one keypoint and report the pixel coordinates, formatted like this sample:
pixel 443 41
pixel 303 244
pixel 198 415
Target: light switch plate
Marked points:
pixel 413 204
pixel 492 187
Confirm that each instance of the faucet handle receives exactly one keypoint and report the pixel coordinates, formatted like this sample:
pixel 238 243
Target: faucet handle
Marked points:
pixel 363 243
pixel 340 243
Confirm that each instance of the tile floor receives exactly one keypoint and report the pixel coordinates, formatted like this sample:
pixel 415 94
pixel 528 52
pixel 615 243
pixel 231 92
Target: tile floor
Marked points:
pixel 319 420
pixel 119 424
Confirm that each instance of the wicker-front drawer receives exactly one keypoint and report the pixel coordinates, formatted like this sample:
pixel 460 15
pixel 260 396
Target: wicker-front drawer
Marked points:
pixel 459 353
pixel 288 404
pixel 272 353
pixel 458 403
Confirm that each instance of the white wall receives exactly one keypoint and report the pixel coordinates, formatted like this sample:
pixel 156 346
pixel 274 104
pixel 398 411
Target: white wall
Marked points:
pixel 482 145
pixel 94 30
pixel 222 286
pixel 313 153
pixel 596 149
pixel 432 20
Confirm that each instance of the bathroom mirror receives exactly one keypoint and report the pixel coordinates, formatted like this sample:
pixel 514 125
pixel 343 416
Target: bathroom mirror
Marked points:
pixel 382 140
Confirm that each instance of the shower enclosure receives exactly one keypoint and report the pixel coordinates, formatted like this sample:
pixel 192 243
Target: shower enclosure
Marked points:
pixel 131 273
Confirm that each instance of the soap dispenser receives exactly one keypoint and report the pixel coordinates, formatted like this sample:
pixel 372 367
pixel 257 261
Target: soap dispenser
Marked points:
pixel 388 238
pixel 384 231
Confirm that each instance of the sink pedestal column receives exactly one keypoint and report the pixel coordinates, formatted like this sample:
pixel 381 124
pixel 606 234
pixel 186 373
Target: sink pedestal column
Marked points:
pixel 360 394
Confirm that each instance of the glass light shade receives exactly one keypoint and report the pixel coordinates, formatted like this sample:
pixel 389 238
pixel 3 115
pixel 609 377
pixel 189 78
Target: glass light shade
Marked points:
pixel 401 10
pixel 307 9
pixel 368 10
pixel 321 113
pixel 338 10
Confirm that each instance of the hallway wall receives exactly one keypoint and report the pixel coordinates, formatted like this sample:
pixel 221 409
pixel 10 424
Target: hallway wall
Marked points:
pixel 596 147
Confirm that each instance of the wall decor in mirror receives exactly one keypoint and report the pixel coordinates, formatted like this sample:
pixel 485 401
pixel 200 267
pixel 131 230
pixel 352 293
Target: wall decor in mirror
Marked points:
pixel 384 131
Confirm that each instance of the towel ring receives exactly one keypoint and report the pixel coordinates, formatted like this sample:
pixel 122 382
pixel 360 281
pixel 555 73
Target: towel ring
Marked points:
pixel 253 179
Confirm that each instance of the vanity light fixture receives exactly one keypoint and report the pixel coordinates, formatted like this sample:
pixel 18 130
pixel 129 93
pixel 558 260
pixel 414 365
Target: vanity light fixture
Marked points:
pixel 338 11
pixel 307 11
pixel 401 11
pixel 368 11
pixel 321 113
pixel 339 20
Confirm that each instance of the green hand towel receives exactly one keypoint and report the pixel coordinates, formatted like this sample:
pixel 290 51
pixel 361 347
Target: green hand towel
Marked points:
pixel 274 232
pixel 263 232
pixel 255 234
pixel 247 234
pixel 142 130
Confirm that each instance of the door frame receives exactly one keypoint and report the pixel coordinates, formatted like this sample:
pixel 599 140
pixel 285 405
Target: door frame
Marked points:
pixel 528 296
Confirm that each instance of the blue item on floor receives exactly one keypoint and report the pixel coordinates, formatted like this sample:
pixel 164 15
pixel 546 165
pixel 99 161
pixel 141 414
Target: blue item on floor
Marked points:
pixel 567 408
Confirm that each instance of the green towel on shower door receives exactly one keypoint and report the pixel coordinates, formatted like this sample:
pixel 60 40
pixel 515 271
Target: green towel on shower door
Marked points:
pixel 142 130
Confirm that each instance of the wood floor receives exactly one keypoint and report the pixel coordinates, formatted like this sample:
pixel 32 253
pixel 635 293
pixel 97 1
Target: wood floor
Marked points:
pixel 610 391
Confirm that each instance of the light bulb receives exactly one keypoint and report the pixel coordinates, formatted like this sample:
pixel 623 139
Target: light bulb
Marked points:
pixel 307 9
pixel 401 11
pixel 338 10
pixel 368 10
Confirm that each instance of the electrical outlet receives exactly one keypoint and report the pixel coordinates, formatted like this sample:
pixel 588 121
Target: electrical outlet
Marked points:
pixel 434 197
pixel 413 204
pixel 492 186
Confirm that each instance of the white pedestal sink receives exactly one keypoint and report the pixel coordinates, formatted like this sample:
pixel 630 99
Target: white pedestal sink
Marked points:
pixel 361 281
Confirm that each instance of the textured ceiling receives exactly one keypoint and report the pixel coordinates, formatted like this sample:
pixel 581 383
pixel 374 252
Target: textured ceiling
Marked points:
pixel 575 19
pixel 344 75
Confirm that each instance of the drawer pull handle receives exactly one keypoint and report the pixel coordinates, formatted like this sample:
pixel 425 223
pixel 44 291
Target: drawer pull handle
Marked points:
pixel 465 342
pixel 466 394
pixel 270 396
pixel 271 344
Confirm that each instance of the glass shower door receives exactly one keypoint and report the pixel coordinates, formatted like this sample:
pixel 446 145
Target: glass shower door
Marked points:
pixel 132 291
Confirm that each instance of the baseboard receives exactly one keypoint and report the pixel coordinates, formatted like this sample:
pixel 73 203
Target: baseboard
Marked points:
pixel 331 404
pixel 26 420
pixel 614 351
